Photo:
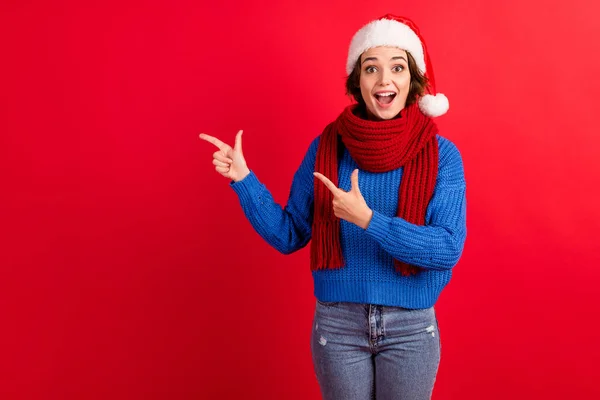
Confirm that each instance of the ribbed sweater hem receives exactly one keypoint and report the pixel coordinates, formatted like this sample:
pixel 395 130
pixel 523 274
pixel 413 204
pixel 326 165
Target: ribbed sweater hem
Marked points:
pixel 376 292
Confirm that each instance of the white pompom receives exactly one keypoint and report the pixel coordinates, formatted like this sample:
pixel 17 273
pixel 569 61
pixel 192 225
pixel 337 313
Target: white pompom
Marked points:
pixel 434 106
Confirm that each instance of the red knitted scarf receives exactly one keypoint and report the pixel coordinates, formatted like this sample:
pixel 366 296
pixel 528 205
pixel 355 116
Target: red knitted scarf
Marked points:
pixel 408 141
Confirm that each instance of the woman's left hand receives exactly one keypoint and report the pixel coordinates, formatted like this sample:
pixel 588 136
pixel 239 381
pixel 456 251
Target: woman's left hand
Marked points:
pixel 350 206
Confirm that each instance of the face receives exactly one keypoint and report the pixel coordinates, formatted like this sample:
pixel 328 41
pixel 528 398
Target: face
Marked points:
pixel 384 81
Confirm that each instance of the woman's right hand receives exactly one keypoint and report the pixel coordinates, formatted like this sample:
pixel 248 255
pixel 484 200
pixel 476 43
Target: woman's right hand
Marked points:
pixel 229 161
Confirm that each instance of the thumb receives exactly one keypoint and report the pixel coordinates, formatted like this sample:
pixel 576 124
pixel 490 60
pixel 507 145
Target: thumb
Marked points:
pixel 354 180
pixel 238 142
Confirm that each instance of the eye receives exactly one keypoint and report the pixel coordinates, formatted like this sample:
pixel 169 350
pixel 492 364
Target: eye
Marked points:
pixel 369 69
pixel 398 68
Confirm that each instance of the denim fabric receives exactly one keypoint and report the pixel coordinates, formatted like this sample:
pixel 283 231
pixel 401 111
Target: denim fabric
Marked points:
pixel 367 351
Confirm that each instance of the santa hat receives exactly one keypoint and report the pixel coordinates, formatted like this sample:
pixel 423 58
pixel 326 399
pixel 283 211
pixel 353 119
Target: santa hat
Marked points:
pixel 391 30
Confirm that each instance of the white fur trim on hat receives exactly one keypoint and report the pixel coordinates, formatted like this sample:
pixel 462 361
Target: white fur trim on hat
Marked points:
pixel 385 32
pixel 434 106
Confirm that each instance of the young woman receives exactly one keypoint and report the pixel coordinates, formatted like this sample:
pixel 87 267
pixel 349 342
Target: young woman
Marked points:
pixel 386 215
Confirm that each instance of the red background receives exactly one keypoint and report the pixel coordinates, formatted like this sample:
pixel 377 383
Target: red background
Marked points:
pixel 128 269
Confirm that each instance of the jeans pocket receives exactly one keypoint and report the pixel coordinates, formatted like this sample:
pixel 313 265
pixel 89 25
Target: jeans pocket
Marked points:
pixel 328 303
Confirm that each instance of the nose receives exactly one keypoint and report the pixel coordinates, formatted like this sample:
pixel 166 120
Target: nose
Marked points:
pixel 385 78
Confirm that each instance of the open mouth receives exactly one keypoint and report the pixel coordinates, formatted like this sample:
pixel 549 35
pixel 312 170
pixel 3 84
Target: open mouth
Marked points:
pixel 385 99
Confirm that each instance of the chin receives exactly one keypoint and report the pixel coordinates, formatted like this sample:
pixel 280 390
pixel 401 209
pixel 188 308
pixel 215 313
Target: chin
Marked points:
pixel 383 114
pixel 389 114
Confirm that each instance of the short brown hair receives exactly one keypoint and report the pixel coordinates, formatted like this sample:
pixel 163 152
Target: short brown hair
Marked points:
pixel 418 82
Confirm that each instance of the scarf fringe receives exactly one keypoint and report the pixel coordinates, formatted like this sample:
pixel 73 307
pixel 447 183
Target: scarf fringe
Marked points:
pixel 406 269
pixel 325 237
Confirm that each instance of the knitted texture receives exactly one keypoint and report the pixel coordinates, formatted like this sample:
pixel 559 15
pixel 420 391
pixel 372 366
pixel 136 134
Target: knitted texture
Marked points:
pixel 369 276
pixel 377 146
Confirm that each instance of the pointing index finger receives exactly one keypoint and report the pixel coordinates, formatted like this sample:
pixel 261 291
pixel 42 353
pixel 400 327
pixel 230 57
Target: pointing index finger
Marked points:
pixel 327 182
pixel 211 139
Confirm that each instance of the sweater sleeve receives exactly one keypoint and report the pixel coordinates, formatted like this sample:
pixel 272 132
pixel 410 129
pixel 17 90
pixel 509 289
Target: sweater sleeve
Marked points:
pixel 439 243
pixel 286 229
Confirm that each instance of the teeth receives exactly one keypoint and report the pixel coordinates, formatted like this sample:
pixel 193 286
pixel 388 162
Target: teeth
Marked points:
pixel 385 94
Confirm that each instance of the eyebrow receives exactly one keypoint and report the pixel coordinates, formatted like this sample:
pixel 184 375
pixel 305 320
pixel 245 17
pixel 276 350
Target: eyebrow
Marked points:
pixel 393 58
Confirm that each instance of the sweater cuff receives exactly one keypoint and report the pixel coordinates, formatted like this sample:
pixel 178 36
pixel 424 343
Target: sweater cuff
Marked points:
pixel 379 227
pixel 246 188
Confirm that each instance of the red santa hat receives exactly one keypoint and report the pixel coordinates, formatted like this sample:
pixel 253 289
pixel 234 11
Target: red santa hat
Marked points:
pixel 401 32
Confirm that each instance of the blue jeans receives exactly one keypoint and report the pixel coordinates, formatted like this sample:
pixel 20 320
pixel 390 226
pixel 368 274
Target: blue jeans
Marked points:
pixel 367 351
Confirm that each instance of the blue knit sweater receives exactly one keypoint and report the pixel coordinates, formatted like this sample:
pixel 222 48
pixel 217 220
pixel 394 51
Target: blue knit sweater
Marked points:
pixel 369 276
